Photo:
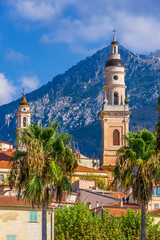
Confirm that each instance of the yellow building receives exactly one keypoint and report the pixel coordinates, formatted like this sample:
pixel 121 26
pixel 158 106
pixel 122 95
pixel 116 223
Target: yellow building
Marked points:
pixel 19 221
pixel 115 112
pixel 82 171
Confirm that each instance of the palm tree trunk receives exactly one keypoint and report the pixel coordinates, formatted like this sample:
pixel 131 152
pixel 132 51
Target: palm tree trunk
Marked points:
pixel 44 220
pixel 143 222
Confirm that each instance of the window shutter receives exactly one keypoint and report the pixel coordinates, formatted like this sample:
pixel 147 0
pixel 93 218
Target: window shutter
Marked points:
pixel 33 216
pixel 11 237
pixel 154 193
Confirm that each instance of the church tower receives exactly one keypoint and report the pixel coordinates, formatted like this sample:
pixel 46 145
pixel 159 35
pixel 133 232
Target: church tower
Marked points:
pixel 115 110
pixel 23 117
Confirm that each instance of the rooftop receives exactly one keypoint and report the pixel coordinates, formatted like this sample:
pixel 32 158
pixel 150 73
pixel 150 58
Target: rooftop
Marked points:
pixel 86 169
pixel 6 155
pixel 6 143
pixel 117 210
pixel 24 101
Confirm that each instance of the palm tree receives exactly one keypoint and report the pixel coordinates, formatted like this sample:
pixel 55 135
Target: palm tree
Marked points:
pixel 37 169
pixel 137 168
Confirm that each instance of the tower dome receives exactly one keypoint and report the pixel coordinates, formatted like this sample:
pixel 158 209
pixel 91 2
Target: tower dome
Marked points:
pixel 24 101
pixel 114 57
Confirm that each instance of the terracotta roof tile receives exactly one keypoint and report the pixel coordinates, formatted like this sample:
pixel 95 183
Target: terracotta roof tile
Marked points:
pixel 13 201
pixel 117 210
pixel 86 169
pixel 5 164
pixel 125 205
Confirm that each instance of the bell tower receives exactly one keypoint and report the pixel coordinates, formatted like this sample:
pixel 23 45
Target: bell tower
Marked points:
pixel 23 117
pixel 115 110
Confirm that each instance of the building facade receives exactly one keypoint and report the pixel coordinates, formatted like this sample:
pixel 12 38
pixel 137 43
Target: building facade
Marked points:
pixel 115 110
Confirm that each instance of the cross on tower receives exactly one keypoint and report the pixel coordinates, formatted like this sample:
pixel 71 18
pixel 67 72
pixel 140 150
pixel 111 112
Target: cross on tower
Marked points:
pixel 114 30
pixel 23 92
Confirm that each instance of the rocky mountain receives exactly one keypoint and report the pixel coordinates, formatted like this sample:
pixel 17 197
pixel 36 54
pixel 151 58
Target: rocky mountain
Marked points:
pixel 74 99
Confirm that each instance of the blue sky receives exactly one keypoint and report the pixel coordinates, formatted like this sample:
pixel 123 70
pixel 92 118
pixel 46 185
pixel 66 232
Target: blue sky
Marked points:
pixel 42 38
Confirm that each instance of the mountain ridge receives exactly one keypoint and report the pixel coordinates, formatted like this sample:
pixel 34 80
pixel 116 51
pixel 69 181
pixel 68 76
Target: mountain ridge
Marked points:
pixel 74 98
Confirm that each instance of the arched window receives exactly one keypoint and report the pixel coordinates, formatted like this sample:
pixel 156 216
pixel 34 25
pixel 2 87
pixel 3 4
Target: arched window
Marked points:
pixel 115 98
pixel 116 137
pixel 114 49
pixel 24 122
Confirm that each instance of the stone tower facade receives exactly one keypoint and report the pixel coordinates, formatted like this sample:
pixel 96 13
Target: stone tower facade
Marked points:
pixel 115 110
pixel 23 117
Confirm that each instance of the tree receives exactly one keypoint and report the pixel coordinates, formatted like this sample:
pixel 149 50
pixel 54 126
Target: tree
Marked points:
pixel 77 222
pixel 137 167
pixel 37 169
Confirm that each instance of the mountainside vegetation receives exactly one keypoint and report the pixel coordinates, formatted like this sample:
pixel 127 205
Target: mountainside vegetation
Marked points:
pixel 74 99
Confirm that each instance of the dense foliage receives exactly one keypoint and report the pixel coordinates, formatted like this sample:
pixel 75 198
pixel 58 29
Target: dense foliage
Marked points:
pixel 137 167
pixel 43 164
pixel 76 222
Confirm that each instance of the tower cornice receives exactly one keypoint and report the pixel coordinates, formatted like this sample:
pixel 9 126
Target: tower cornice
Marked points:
pixel 106 86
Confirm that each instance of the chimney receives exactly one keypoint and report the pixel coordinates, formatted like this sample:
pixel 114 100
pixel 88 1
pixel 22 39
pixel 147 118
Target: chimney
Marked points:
pixel 97 204
pixel 121 202
pixel 89 206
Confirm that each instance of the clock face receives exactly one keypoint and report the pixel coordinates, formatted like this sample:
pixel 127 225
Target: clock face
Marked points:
pixel 115 77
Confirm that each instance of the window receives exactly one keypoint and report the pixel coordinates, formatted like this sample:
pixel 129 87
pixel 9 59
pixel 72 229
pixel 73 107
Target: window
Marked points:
pixel 115 77
pixel 11 237
pixel 71 197
pixel 116 137
pixel 85 164
pixel 33 216
pixel 1 177
pixel 156 205
pixel 114 49
pixel 154 192
pixel 24 122
pixel 115 98
pixel 158 192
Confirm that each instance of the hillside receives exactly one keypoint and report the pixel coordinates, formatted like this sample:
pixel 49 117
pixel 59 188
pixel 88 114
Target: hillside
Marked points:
pixel 75 98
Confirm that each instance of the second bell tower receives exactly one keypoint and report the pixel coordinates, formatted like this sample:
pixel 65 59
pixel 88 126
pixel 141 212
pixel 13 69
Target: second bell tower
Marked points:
pixel 115 112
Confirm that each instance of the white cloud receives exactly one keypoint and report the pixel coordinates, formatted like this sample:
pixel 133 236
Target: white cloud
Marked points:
pixel 7 90
pixel 139 33
pixel 38 10
pixel 29 82
pixel 15 56
pixel 79 23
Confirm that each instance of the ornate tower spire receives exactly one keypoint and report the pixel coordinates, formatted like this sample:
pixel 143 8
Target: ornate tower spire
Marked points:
pixel 115 114
pixel 23 116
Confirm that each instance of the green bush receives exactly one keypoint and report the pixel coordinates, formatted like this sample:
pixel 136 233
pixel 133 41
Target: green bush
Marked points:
pixel 76 222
